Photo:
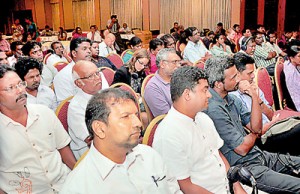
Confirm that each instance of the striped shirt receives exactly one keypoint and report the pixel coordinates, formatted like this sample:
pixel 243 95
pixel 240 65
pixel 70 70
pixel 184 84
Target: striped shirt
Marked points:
pixel 261 54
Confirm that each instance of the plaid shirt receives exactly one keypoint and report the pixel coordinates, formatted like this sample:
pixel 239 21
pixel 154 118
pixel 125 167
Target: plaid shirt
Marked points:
pixel 261 54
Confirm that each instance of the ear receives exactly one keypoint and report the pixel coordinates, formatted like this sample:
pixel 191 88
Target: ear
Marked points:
pixel 186 94
pixel 218 84
pixel 99 129
pixel 73 53
pixel 79 83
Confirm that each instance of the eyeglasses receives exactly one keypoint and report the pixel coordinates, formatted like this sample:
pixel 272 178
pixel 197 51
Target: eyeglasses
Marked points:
pixel 170 44
pixel 174 62
pixel 92 76
pixel 141 63
pixel 11 89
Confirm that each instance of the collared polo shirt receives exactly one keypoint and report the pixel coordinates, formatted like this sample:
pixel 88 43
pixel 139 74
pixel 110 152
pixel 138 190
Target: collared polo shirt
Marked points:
pixel 194 51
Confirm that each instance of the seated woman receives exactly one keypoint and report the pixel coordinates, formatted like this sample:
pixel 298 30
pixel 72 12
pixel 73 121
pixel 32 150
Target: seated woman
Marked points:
pixel 77 33
pixel 62 34
pixel 155 45
pixel 219 48
pixel 230 34
pixel 135 44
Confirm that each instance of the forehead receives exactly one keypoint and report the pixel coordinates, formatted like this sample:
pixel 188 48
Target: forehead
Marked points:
pixel 84 44
pixel 123 106
pixel 202 83
pixel 87 69
pixel 32 71
pixel 9 78
pixel 250 67
pixel 35 47
pixel 230 72
pixel 57 44
pixel 95 44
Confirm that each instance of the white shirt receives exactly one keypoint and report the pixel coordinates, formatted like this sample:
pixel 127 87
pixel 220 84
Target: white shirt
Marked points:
pixel 191 149
pixel 48 74
pixel 54 58
pixel 29 157
pixel 98 174
pixel 194 51
pixel 12 60
pixel 97 36
pixel 76 120
pixel 64 85
pixel 104 50
pixel 44 96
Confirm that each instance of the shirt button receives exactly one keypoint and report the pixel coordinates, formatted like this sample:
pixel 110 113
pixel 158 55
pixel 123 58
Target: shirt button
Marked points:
pixel 220 165
pixel 51 186
pixel 33 144
pixel 40 156
pixel 47 172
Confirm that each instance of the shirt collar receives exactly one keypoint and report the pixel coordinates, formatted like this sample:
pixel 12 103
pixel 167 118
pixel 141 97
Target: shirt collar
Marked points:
pixel 160 78
pixel 179 115
pixel 215 96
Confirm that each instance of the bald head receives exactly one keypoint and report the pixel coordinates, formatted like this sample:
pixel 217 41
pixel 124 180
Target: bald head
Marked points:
pixel 109 39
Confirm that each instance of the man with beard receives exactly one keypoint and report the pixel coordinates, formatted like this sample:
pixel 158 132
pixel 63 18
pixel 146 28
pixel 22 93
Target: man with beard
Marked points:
pixel 274 172
pixel 59 55
pixel 30 70
pixel 116 163
pixel 34 152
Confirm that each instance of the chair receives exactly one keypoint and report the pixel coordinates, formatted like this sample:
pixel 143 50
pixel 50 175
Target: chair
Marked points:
pixel 148 111
pixel 81 158
pixel 60 65
pixel 199 64
pixel 278 70
pixel 115 59
pixel 62 112
pixel 262 79
pixel 150 130
pixel 108 73
pixel 46 57
pixel 124 52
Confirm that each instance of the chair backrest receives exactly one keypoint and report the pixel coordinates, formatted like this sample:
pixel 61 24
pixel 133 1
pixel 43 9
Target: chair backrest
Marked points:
pixel 278 70
pixel 199 64
pixel 108 73
pixel 150 130
pixel 46 57
pixel 60 65
pixel 148 111
pixel 124 52
pixel 115 59
pixel 263 81
pixel 62 112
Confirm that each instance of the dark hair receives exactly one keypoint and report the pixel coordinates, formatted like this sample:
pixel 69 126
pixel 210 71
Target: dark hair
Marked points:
pixel 113 16
pixel 25 64
pixel 92 26
pixel 4 69
pixel 53 43
pixel 13 45
pixel 165 39
pixel 189 31
pixel 186 77
pixel 259 25
pixel 241 60
pixel 28 46
pixel 271 32
pixel 255 34
pixel 175 23
pixel 154 43
pixel 293 48
pixel 98 107
pixel 220 24
pixel 217 36
pixel 135 41
pixel 235 25
pixel 74 44
pixel 215 67
pixel 77 28
pixel 47 26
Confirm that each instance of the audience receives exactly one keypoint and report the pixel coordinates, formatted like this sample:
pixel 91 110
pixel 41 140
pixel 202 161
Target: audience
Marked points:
pixel 16 49
pixel 98 60
pixel 107 46
pixel 230 41
pixel 246 33
pixel 125 29
pixel 59 55
pixel 271 42
pixel 155 45
pixel 219 48
pixel 62 34
pixel 94 35
pixel 261 29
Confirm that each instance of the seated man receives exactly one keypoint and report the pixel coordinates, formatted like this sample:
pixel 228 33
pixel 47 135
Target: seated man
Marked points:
pixel 106 47
pixel 274 172
pixel 16 49
pixel 116 163
pixel 98 60
pixel 30 70
pixel 187 139
pixel 90 80
pixel 59 55
pixel 94 34
pixel 34 152
pixel 248 46
pixel 157 92
pixel 46 31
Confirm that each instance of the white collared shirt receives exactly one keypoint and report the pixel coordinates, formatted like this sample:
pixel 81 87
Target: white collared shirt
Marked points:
pixel 194 51
pixel 142 172
pixel 29 157
pixel 97 36
pixel 104 50
pixel 44 96
pixel 191 149
pixel 48 74
pixel 54 58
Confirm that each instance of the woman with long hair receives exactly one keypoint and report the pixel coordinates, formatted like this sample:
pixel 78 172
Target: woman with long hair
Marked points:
pixel 219 48
pixel 62 34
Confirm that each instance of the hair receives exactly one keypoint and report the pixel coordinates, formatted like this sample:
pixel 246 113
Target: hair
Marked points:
pixel 77 28
pixel 163 55
pixel 246 40
pixel 113 16
pixel 25 64
pixel 235 25
pixel 217 36
pixel 92 26
pixel 228 31
pixel 74 44
pixel 13 45
pixel 135 41
pixel 210 33
pixel 47 26
pixel 28 46
pixel 186 77
pixel 165 39
pixel 255 34
pixel 55 42
pixel 241 60
pixel 4 69
pixel 189 31
pixel 154 43
pixel 99 106
pixel 61 28
pixel 293 48
pixel 259 26
pixel 244 30
pixel 215 67
pixel 220 24
pixel 138 54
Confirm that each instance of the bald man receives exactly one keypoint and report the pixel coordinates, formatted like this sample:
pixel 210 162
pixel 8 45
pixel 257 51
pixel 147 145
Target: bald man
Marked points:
pixel 106 46
pixel 90 81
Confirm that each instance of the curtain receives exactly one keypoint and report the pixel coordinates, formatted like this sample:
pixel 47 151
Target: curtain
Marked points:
pixel 199 13
pixel 128 11
pixel 84 13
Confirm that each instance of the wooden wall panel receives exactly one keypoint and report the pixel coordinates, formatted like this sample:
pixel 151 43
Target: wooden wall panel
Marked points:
pixel 154 14
pixel 68 14
pixel 40 13
pixel 105 13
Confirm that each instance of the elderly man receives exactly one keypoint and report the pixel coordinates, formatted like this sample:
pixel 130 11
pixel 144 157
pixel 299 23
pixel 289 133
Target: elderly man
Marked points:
pixel 157 92
pixel 3 58
pixel 248 46
pixel 34 152
pixel 90 80
pixel 115 155
pixel 59 55
pixel 106 46
pixel 63 82
pixel 274 172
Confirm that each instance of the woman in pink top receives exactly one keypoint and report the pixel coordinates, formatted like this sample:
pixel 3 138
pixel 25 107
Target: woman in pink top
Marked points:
pixel 155 45
pixel 77 33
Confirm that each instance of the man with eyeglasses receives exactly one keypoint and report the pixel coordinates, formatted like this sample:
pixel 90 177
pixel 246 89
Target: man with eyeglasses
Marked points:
pixel 90 81
pixel 34 152
pixel 157 92
pixel 195 50
pixel 64 86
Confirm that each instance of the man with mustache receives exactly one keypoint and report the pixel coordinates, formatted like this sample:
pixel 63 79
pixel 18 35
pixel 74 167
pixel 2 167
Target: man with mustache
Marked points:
pixel 34 152
pixel 59 55
pixel 116 163
pixel 30 70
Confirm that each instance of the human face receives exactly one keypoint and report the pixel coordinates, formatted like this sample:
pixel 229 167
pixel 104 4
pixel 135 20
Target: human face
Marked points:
pixel 3 58
pixel 231 35
pixel 137 47
pixel 36 53
pixel 211 37
pixel 93 29
pixel 14 99
pixel 170 65
pixel 259 39
pixel 247 33
pixel 18 51
pixel 248 73
pixel 250 48
pixel 83 52
pixel 231 80
pixel 109 41
pixel 158 48
pixel 58 49
pixel 171 43
pixel 237 29
pixel 261 29
pixel 90 79
pixel 199 96
pixel 140 64
pixel 33 79
pixel 195 37
pixel 296 59
pixel 95 49
pixel 272 38
pixel 124 126
pixel 221 39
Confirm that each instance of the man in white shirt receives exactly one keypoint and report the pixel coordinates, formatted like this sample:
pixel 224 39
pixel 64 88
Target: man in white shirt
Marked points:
pixel 63 82
pixel 59 55
pixel 93 34
pixel 34 152
pixel 30 70
pixel 106 46
pixel 16 49
pixel 90 80
pixel 187 138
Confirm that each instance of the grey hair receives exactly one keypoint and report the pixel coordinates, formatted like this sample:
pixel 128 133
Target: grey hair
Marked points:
pixel 215 67
pixel 163 54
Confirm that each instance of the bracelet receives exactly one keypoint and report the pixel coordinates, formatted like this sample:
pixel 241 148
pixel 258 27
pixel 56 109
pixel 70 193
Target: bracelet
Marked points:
pixel 261 103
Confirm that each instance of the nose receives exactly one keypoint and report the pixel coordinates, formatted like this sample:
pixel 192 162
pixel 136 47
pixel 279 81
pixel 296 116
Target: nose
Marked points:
pixel 136 121
pixel 208 94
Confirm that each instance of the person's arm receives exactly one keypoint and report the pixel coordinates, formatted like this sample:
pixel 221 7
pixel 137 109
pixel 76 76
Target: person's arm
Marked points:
pixel 271 54
pixel 187 187
pixel 247 145
pixel 67 157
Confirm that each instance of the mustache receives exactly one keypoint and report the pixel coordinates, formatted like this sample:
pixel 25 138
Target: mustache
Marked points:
pixel 21 96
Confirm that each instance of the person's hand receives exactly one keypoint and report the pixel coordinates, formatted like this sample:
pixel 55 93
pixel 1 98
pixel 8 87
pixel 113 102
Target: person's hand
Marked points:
pixel 246 88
